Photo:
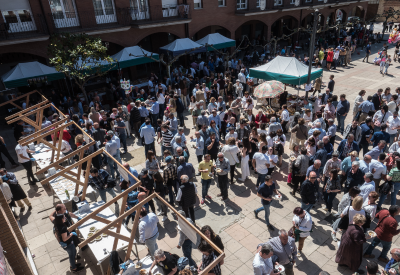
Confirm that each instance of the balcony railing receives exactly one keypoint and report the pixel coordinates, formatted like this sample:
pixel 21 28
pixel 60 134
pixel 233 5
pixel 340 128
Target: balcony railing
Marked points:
pixel 159 13
pixel 23 28
pixel 89 20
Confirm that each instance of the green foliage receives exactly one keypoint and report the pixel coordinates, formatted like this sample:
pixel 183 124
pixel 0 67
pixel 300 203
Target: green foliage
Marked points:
pixel 79 56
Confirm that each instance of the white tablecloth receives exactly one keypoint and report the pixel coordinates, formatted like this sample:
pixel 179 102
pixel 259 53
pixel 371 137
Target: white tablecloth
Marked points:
pixel 43 158
pixel 107 243
pixel 146 263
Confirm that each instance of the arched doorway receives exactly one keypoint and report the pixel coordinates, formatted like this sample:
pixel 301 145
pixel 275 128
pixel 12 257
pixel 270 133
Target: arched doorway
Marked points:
pixel 211 29
pixel 154 41
pixel 253 29
pixel 340 15
pixel 283 25
pixel 308 21
pixel 358 11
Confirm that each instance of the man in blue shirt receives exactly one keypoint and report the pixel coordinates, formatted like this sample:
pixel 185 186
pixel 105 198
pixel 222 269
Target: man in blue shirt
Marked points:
pixel 367 51
pixel 342 110
pixel 186 169
pixel 265 192
pixel 381 135
pixel 216 118
pixel 319 128
pixel 155 109
pixel 365 107
pixel 377 150
pixel 328 147
pixel 173 124
pixel 148 134
pixel 347 146
pixel 111 148
pixel 395 252
pixel 367 130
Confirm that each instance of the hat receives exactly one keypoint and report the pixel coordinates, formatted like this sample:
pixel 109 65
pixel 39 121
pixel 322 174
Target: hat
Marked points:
pixel 144 171
pixel 335 154
pixel 168 159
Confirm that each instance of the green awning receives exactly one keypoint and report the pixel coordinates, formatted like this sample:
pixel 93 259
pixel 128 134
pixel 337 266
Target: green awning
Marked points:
pixel 35 71
pixel 132 56
pixel 217 40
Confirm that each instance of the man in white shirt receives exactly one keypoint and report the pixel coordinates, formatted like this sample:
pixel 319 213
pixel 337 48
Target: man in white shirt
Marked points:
pixel 26 161
pixel 262 263
pixel 238 88
pixel 242 79
pixel 378 169
pixel 148 230
pixel 231 133
pixel 393 124
pixel 284 118
pixel 365 163
pixel 368 186
pixel 261 163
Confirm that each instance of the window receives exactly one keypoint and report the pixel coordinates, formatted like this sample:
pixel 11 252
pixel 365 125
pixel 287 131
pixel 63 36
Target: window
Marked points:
pixel 104 11
pixel 64 13
pixel 278 2
pixel 241 4
pixel 308 1
pixel 292 1
pixel 221 3
pixel 197 4
pixel 19 20
pixel 139 9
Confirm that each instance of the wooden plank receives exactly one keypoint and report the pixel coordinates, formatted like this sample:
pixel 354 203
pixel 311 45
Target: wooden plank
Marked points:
pixel 74 180
pixel 19 107
pixel 27 110
pixel 30 122
pixel 119 219
pixel 29 113
pixel 214 263
pixel 41 131
pixel 46 180
pixel 117 236
pixel 59 143
pixel 22 96
pixel 107 204
pixel 133 233
pixel 27 100
pixel 191 225
pixel 100 219
pixel 49 132
pixel 120 164
pixel 56 164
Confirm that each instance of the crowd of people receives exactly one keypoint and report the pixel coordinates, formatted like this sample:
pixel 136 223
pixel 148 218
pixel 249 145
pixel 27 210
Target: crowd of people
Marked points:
pixel 233 141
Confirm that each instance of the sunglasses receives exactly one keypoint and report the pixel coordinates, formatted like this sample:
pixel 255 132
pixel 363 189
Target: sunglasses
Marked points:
pixel 220 157
pixel 313 177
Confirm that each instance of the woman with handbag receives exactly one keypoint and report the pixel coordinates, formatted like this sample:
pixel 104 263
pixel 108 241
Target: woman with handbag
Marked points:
pixel 230 151
pixel 345 202
pixel 302 226
pixel 351 247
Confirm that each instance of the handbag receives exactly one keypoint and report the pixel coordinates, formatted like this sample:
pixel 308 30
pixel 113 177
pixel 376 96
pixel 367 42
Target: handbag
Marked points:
pixel 344 221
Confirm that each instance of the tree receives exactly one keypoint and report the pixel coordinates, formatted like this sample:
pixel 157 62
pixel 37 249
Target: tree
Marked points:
pixel 80 57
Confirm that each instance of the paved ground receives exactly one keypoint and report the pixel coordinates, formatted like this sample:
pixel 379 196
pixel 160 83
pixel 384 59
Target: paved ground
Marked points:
pixel 234 220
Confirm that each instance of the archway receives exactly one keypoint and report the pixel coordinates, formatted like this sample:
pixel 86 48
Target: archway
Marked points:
pixel 308 21
pixel 211 29
pixel 154 41
pixel 358 11
pixel 330 19
pixel 340 15
pixel 283 25
pixel 253 29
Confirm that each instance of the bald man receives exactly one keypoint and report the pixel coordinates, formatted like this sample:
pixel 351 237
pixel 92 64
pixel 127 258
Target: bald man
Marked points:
pixel 308 190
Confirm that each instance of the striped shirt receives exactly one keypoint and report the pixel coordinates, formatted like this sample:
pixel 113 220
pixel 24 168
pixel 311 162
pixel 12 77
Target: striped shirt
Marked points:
pixel 167 137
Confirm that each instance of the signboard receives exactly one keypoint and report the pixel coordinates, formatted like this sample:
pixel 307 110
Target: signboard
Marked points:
pixel 263 3
pixel 339 15
pixel 125 84
pixel 123 173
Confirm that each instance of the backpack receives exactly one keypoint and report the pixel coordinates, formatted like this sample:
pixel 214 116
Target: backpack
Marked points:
pixel 182 263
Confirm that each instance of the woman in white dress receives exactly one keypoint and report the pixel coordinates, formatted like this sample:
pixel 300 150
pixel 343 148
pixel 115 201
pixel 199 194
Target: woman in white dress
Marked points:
pixel 244 165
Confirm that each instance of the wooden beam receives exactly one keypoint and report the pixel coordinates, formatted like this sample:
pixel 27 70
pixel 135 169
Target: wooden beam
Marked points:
pixel 22 96
pixel 27 110
pixel 41 131
pixel 28 114
pixel 120 218
pixel 133 233
pixel 19 107
pixel 73 180
pixel 49 132
pixel 214 263
pixel 59 143
pixel 30 122
pixel 46 180
pixel 89 163
pixel 117 236
pixel 191 225
pixel 107 204
pixel 120 164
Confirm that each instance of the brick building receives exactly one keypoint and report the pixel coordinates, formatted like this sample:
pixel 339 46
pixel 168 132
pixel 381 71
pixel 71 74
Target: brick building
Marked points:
pixel 25 25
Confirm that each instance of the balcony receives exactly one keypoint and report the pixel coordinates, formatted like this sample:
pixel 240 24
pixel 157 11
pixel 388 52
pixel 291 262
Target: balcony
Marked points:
pixel 284 5
pixel 90 22
pixel 23 28
pixel 159 15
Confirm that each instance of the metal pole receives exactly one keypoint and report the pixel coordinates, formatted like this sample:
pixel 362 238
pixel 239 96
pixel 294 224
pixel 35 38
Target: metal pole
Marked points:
pixel 312 42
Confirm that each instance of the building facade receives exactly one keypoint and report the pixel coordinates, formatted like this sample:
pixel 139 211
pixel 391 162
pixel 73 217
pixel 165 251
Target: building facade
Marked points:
pixel 26 25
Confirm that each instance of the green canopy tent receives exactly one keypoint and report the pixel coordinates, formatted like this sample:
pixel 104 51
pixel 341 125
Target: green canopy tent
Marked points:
pixel 132 56
pixel 217 40
pixel 91 66
pixel 34 72
pixel 287 70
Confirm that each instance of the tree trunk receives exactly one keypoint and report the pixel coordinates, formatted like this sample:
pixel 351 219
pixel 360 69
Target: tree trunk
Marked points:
pixel 83 91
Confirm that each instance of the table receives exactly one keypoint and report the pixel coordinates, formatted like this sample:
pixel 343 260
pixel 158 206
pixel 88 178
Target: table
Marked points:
pixel 43 158
pixel 146 263
pixel 102 249
pixel 60 184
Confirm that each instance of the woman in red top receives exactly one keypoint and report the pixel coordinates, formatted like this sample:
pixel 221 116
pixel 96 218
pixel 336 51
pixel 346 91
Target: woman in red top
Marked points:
pixel 329 59
pixel 260 118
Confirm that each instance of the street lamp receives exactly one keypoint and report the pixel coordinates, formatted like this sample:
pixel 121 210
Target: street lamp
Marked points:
pixel 312 44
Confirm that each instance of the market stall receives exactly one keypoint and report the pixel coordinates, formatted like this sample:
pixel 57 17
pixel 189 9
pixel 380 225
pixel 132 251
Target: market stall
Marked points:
pixel 287 70
pixel 132 56
pixel 217 41
pixel 183 45
pixel 24 74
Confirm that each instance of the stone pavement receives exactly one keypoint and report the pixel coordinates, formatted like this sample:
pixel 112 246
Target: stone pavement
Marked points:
pixel 234 219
